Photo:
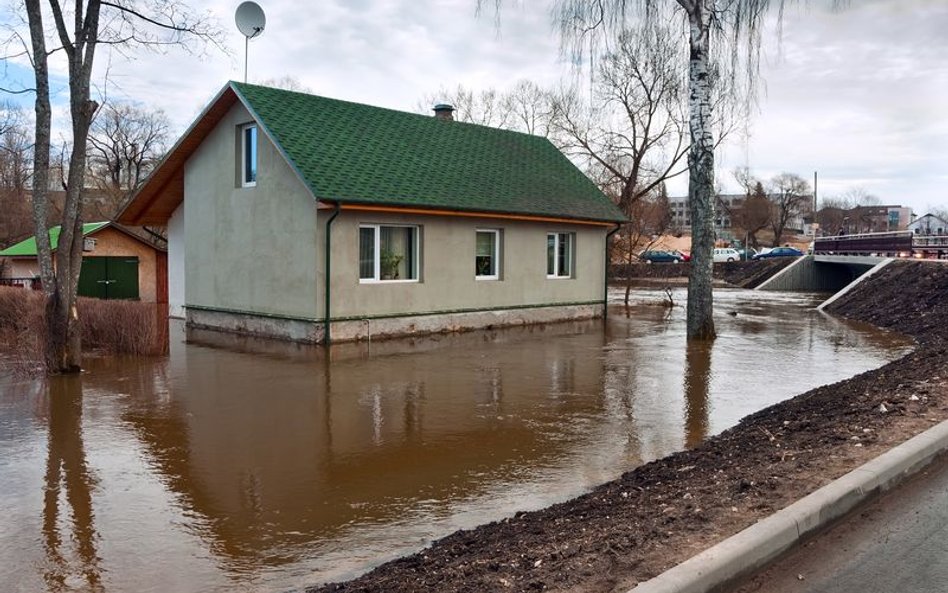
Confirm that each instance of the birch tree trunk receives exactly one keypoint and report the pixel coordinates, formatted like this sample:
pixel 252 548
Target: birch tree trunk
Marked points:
pixel 700 324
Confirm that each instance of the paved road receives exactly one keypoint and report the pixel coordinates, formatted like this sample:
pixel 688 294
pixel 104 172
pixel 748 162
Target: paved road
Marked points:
pixel 898 544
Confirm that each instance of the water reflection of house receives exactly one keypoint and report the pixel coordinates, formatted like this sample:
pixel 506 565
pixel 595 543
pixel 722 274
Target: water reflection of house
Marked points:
pixel 291 215
pixel 116 264
pixel 353 442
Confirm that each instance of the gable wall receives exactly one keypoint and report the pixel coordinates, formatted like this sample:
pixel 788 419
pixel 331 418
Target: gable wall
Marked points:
pixel 447 267
pixel 248 249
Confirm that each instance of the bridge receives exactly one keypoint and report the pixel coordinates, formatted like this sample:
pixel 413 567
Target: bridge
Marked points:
pixel 838 263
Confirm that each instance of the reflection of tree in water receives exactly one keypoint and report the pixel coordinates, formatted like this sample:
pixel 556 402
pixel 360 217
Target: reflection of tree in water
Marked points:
pixel 697 381
pixel 67 474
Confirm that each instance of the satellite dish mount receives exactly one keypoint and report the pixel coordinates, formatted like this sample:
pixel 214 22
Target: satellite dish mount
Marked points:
pixel 250 22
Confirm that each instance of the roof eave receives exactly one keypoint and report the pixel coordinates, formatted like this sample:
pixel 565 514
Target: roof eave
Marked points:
pixel 141 207
pixel 445 211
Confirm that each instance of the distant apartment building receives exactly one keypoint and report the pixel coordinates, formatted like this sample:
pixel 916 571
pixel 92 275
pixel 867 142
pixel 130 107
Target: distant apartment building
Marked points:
pixel 726 213
pixel 864 219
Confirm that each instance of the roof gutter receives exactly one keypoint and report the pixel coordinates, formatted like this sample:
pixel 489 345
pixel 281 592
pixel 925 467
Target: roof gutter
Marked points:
pixel 327 339
pixel 605 275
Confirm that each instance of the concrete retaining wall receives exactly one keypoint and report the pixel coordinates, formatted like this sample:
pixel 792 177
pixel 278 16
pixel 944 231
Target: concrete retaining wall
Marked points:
pixel 808 275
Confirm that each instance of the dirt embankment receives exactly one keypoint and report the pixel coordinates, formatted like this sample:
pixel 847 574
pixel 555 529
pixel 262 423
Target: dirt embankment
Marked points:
pixel 661 513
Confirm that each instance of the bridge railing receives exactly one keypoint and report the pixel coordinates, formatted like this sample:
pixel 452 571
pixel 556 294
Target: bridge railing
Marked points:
pixel 892 243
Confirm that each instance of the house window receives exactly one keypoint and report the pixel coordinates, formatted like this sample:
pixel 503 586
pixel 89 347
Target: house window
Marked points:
pixel 559 255
pixel 248 155
pixel 388 253
pixel 487 255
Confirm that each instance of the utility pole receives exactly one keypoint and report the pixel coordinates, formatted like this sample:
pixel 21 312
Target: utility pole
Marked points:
pixel 814 193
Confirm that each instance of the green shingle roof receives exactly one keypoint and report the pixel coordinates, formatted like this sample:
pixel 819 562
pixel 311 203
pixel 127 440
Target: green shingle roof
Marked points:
pixel 354 153
pixel 27 247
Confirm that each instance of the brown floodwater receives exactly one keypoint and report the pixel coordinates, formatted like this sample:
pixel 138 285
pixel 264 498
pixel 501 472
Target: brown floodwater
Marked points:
pixel 243 465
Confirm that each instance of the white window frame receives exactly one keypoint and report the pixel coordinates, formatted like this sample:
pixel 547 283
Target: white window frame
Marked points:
pixel 243 154
pixel 377 253
pixel 570 256
pixel 497 255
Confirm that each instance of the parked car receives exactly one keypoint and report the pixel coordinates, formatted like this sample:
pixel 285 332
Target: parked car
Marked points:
pixel 684 256
pixel 660 257
pixel 747 254
pixel 779 252
pixel 725 254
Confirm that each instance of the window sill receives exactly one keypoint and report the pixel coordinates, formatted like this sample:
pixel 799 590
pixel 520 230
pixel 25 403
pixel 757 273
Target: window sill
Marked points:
pixel 486 278
pixel 374 281
pixel 559 277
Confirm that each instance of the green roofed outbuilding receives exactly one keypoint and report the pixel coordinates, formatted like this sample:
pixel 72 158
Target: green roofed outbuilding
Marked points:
pixel 116 264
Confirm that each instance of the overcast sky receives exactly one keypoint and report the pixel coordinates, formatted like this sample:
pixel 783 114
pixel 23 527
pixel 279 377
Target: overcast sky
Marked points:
pixel 860 95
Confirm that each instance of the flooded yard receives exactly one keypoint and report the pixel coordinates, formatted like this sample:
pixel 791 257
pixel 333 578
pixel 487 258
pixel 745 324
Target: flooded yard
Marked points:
pixel 238 465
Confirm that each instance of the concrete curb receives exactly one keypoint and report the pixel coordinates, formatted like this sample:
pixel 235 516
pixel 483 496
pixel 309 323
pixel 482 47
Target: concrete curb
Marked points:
pixel 751 549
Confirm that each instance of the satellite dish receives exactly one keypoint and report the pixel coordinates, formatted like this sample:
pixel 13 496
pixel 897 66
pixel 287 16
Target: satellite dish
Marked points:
pixel 250 19
pixel 250 22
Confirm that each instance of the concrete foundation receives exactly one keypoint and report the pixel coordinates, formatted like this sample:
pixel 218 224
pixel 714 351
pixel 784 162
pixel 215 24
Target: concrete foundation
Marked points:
pixel 311 331
pixel 308 331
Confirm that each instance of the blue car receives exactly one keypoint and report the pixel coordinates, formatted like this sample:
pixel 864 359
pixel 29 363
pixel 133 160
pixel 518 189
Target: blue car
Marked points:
pixel 661 257
pixel 779 252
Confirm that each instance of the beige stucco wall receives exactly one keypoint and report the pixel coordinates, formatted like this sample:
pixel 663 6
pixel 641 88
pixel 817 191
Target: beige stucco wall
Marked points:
pixel 447 281
pixel 248 249
pixel 20 267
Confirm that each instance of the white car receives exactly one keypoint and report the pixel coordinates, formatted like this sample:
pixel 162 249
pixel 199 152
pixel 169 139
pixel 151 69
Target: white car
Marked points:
pixel 725 254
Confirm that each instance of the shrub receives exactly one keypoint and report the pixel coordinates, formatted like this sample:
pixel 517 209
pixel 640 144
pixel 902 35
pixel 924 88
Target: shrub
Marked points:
pixel 21 329
pixel 108 327
pixel 123 327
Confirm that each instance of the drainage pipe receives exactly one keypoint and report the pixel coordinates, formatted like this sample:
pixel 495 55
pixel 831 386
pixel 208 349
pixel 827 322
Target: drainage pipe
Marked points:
pixel 605 276
pixel 326 336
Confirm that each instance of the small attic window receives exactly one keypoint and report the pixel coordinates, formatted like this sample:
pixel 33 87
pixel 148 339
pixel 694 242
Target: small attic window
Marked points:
pixel 248 155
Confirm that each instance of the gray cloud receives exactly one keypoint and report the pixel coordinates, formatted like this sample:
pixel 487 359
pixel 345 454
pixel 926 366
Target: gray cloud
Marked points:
pixel 857 94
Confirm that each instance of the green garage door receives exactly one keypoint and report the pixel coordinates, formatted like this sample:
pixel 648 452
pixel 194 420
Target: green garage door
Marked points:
pixel 109 277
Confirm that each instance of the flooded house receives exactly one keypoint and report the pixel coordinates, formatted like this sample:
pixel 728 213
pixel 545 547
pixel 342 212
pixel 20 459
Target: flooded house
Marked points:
pixel 312 219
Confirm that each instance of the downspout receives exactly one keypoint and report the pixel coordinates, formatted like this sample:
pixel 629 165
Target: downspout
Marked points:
pixel 605 275
pixel 326 336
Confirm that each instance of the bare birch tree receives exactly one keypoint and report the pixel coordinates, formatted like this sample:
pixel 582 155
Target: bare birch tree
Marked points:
pixel 715 31
pixel 78 29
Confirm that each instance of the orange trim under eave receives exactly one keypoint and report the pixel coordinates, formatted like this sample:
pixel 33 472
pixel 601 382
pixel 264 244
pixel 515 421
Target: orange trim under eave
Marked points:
pixel 431 212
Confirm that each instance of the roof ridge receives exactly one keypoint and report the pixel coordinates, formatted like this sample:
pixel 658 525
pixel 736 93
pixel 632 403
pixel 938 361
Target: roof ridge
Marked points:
pixel 400 112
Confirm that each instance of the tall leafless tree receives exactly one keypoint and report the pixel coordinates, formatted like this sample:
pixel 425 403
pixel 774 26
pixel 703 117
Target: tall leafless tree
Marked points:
pixel 78 29
pixel 789 195
pixel 16 160
pixel 716 30
pixel 125 142
pixel 632 136
pixel 485 107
